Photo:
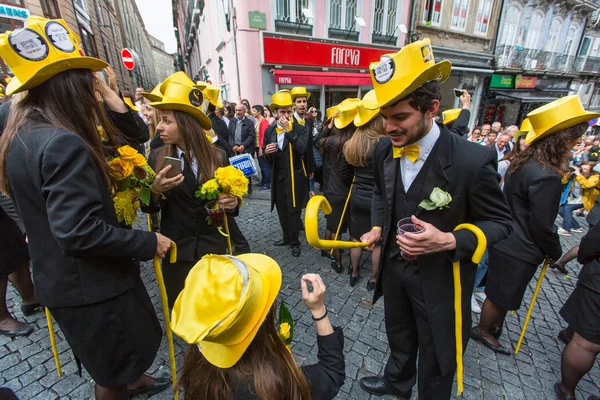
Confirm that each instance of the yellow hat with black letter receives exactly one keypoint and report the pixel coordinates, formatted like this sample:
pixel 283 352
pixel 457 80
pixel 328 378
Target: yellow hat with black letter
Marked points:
pixel 282 98
pixel 449 116
pixel 556 116
pixel 40 50
pixel 397 75
pixel 181 97
pixel 224 303
pixel 347 111
pixel 154 95
pixel 299 91
pixel 364 115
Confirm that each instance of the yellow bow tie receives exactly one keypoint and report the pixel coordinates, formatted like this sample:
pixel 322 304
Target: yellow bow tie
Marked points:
pixel 301 121
pixel 282 130
pixel 411 151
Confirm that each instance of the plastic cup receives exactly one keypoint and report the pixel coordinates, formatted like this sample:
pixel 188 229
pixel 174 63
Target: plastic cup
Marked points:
pixel 405 225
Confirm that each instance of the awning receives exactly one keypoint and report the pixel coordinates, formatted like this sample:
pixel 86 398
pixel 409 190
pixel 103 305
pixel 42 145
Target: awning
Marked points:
pixel 294 77
pixel 536 96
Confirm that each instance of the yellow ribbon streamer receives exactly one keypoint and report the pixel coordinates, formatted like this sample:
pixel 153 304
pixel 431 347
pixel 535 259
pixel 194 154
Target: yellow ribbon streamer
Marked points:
pixel 53 341
pixel 337 232
pixel 411 151
pixel 292 173
pixel 476 258
pixel 535 293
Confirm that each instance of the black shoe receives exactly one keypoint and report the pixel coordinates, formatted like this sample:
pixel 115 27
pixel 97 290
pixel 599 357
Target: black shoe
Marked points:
pixel 354 280
pixel 30 309
pixel 159 385
pixel 497 333
pixel 281 242
pixel 560 395
pixel 476 335
pixel 565 335
pixel 558 267
pixel 376 385
pixel 349 269
pixel 25 330
pixel 336 267
pixel 296 250
pixel 326 254
pixel 371 285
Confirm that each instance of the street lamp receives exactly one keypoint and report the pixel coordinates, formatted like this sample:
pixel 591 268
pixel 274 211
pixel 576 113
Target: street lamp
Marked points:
pixel 402 28
pixel 357 21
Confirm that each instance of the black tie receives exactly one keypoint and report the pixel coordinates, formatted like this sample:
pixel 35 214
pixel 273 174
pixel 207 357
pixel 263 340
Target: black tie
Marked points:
pixel 188 174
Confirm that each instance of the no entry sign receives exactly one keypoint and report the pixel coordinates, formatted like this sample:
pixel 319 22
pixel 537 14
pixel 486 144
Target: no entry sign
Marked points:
pixel 127 58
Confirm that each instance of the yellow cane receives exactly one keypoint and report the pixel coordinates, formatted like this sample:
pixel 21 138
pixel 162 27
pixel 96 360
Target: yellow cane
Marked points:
pixel 337 232
pixel 53 341
pixel 476 258
pixel 227 235
pixel 311 226
pixel 149 222
pixel 535 293
pixel 165 303
pixel 292 173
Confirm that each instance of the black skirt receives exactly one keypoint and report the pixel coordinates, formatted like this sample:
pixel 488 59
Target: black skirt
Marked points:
pixel 116 340
pixel 507 279
pixel 582 313
pixel 13 248
pixel 333 219
pixel 360 216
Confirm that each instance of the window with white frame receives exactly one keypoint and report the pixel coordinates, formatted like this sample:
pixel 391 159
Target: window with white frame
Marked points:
pixel 291 10
pixel 569 43
pixel 432 14
pixel 385 17
pixel 510 26
pixel 82 4
pixel 342 14
pixel 585 46
pixel 596 98
pixel 459 15
pixel 482 20
pixel 553 35
pixel 534 30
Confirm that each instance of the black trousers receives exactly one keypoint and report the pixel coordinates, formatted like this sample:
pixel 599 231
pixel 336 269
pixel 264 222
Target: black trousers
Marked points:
pixel 289 217
pixel 409 332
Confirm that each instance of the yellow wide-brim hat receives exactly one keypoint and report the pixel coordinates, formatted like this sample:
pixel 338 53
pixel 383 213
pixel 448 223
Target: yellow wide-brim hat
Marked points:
pixel 211 93
pixel 128 101
pixel 556 116
pixel 449 116
pixel 397 75
pixel 155 94
pixel 347 111
pixel 330 112
pixel 282 98
pixel 364 115
pixel 523 130
pixel 40 50
pixel 179 77
pixel 224 303
pixel 187 98
pixel 299 91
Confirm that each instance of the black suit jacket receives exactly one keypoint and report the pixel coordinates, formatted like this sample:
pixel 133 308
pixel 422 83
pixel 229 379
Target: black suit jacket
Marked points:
pixel 248 134
pixel 220 128
pixel 533 194
pixel 462 122
pixel 79 254
pixel 593 216
pixel 468 172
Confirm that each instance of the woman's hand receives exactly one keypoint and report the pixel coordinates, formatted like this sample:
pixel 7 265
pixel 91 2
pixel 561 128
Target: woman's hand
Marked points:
pixel 163 184
pixel 105 94
pixel 315 300
pixel 228 201
pixel 111 79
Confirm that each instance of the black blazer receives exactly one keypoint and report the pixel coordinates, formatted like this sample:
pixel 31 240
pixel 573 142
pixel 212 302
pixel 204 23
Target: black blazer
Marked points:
pixel 462 122
pixel 589 255
pixel 593 217
pixel 468 172
pixel 248 134
pixel 220 128
pixel 79 254
pixel 533 194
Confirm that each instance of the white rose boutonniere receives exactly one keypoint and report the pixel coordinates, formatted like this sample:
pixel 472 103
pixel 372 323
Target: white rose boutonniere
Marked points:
pixel 437 199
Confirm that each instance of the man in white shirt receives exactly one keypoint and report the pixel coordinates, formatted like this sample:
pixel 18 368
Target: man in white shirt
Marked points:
pixel 502 146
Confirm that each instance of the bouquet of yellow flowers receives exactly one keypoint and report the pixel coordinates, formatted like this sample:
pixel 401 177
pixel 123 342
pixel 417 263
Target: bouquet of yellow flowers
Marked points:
pixel 134 177
pixel 228 180
pixel 286 326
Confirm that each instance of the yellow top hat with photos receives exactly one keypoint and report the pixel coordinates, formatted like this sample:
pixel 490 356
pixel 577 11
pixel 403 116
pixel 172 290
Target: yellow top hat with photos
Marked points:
pixel 282 98
pixel 449 116
pixel 155 94
pixel 364 115
pixel 553 117
pixel 181 97
pixel 347 111
pixel 299 91
pixel 211 93
pixel 330 112
pixel 40 50
pixel 397 75
pixel 224 303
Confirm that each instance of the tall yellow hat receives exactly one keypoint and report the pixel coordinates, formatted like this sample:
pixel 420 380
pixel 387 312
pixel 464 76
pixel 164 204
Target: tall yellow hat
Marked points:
pixel 553 117
pixel 224 303
pixel 128 101
pixel 330 112
pixel 41 50
pixel 211 93
pixel 523 130
pixel 179 77
pixel 300 91
pixel 155 94
pixel 347 111
pixel 449 116
pixel 282 98
pixel 364 115
pixel 397 75
pixel 181 97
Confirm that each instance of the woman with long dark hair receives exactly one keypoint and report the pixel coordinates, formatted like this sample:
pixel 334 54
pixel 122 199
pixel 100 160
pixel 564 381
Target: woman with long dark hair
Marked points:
pixel 53 165
pixel 532 187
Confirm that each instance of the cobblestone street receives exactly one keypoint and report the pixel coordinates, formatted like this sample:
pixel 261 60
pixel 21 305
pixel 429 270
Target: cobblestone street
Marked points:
pixel 27 365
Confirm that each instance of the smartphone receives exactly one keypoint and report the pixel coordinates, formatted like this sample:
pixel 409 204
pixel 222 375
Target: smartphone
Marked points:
pixel 176 166
pixel 458 92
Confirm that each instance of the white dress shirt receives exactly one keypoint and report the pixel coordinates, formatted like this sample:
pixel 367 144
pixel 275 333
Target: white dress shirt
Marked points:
pixel 280 138
pixel 499 152
pixel 409 169
pixel 194 162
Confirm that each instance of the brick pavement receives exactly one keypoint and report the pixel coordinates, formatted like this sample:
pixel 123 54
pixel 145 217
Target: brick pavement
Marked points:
pixel 27 366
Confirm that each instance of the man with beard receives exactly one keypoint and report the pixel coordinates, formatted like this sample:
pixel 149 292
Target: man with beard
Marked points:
pixel 300 97
pixel 415 275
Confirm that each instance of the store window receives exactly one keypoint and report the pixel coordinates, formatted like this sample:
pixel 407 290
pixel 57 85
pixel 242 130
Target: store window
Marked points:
pixel 459 15
pixel 432 14
pixel 534 30
pixel 342 14
pixel 482 21
pixel 510 26
pixel 553 35
pixel 50 9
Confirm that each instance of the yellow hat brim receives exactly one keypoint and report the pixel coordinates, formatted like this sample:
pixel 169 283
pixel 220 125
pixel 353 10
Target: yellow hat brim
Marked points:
pixel 361 120
pixel 274 106
pixel 533 136
pixel 193 111
pixel 395 90
pixel 151 97
pixel 227 355
pixel 307 95
pixel 50 70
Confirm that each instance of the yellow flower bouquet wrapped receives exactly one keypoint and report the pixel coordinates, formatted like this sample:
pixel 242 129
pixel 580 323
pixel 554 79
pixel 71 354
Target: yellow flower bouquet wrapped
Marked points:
pixel 227 180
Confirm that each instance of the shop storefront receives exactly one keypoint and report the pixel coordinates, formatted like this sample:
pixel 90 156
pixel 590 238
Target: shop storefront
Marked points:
pixel 12 16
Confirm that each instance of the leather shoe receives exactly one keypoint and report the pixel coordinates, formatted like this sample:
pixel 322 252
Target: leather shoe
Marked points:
pixel 24 330
pixel 560 395
pixel 336 267
pixel 376 385
pixel 326 254
pixel 159 385
pixel 281 242
pixel 30 309
pixel 476 335
pixel 354 280
pixel 296 250
pixel 371 285
pixel 559 268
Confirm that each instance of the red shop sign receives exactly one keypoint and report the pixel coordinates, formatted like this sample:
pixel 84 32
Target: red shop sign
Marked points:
pixel 317 54
pixel 525 82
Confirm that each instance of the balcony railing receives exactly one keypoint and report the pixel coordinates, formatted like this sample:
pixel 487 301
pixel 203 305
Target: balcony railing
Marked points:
pixel 295 28
pixel 343 34
pixel 539 60
pixel 384 39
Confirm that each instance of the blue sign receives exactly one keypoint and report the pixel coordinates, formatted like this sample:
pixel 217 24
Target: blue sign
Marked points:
pixel 13 12
pixel 245 163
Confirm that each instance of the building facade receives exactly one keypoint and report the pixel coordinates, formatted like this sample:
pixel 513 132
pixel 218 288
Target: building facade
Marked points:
pixel 163 61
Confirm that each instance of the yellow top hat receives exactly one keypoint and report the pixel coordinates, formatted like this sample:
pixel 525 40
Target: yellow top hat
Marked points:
pixel 347 111
pixel 224 303
pixel 211 93
pixel 128 101
pixel 449 116
pixel 179 77
pixel 397 75
pixel 155 94
pixel 187 98
pixel 40 50
pixel 364 115
pixel 553 117
pixel 523 130
pixel 300 91
pixel 330 112
pixel 283 98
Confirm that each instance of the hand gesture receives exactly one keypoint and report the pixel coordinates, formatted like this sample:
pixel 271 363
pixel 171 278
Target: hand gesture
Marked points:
pixel 271 148
pixel 284 123
pixel 465 99
pixel 227 201
pixel 163 184
pixel 163 244
pixel 111 79
pixel 430 240
pixel 315 300
pixel 371 237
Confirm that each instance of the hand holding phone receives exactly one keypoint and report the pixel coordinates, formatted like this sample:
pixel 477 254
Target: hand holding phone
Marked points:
pixel 176 166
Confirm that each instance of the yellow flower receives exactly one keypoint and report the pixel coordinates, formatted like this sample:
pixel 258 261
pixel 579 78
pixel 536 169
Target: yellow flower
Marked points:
pixel 139 160
pixel 126 204
pixel 284 331
pixel 120 169
pixel 232 180
pixel 127 152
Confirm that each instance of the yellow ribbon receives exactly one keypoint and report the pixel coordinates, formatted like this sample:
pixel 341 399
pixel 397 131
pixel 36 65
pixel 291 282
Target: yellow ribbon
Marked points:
pixel 292 173
pixel 53 341
pixel 283 130
pixel 411 151
pixel 301 121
